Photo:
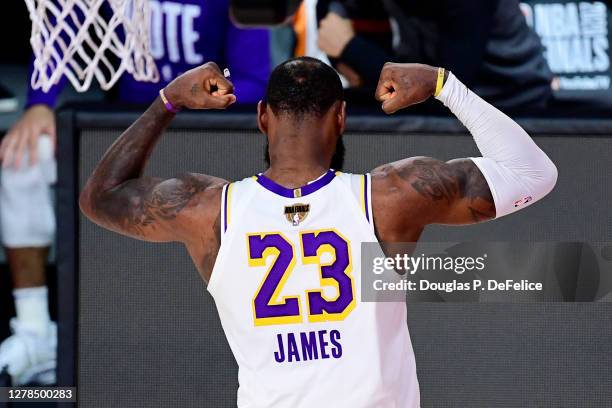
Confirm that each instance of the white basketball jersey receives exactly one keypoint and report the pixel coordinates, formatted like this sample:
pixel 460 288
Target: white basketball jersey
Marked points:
pixel 287 284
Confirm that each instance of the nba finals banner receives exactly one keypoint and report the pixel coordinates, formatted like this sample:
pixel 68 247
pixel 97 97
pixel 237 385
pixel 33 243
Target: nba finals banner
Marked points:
pixel 576 40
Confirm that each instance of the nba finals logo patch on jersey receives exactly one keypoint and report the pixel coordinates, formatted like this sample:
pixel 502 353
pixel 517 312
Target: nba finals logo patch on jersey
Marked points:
pixel 296 213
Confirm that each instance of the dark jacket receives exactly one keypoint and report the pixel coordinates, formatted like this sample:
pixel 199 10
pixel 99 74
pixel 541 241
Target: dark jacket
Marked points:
pixel 485 43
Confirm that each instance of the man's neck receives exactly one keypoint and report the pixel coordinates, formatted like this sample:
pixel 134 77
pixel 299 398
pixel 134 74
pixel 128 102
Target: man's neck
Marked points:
pixel 298 153
pixel 294 175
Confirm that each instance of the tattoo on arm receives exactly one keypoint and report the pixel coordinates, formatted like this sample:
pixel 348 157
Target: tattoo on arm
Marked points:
pixel 168 204
pixel 195 89
pixel 435 183
pixel 138 205
pixel 461 179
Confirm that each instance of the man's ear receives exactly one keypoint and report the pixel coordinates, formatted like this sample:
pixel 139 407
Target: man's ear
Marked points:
pixel 262 117
pixel 341 118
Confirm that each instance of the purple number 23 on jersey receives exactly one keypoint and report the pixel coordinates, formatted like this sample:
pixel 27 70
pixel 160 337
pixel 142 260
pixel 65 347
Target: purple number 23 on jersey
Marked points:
pixel 268 309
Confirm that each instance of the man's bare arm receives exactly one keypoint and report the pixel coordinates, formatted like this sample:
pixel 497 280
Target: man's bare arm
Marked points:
pixel 155 210
pixel 453 192
pixel 119 198
pixel 411 193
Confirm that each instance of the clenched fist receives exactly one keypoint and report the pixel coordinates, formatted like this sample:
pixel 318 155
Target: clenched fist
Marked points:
pixel 402 85
pixel 203 87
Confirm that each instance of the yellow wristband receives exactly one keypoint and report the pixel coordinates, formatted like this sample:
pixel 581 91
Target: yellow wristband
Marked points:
pixel 440 82
pixel 167 104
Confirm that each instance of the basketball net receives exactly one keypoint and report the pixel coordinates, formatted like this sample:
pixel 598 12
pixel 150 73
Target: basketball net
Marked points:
pixel 83 39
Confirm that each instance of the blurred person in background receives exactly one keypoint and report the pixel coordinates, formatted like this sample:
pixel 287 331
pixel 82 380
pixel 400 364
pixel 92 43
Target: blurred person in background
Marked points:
pixel 487 43
pixel 184 34
pixel 369 24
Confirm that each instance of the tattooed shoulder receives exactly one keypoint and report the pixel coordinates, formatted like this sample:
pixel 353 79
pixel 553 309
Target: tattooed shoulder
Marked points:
pixel 167 200
pixel 436 180
pixel 163 200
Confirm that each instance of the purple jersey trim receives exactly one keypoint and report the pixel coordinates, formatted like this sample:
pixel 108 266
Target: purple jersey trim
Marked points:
pixel 225 208
pixel 296 192
pixel 365 196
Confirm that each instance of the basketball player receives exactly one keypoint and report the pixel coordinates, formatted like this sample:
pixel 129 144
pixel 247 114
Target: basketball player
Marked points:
pixel 281 250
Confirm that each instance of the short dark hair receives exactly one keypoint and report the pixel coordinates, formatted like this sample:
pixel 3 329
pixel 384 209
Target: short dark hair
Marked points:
pixel 303 86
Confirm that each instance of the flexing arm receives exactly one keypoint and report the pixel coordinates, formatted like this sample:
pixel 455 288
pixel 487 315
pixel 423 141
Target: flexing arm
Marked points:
pixel 512 173
pixel 118 197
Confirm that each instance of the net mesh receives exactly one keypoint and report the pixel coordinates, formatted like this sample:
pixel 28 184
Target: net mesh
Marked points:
pixel 83 39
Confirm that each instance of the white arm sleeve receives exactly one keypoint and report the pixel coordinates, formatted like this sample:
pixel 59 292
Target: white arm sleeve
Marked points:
pixel 518 172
